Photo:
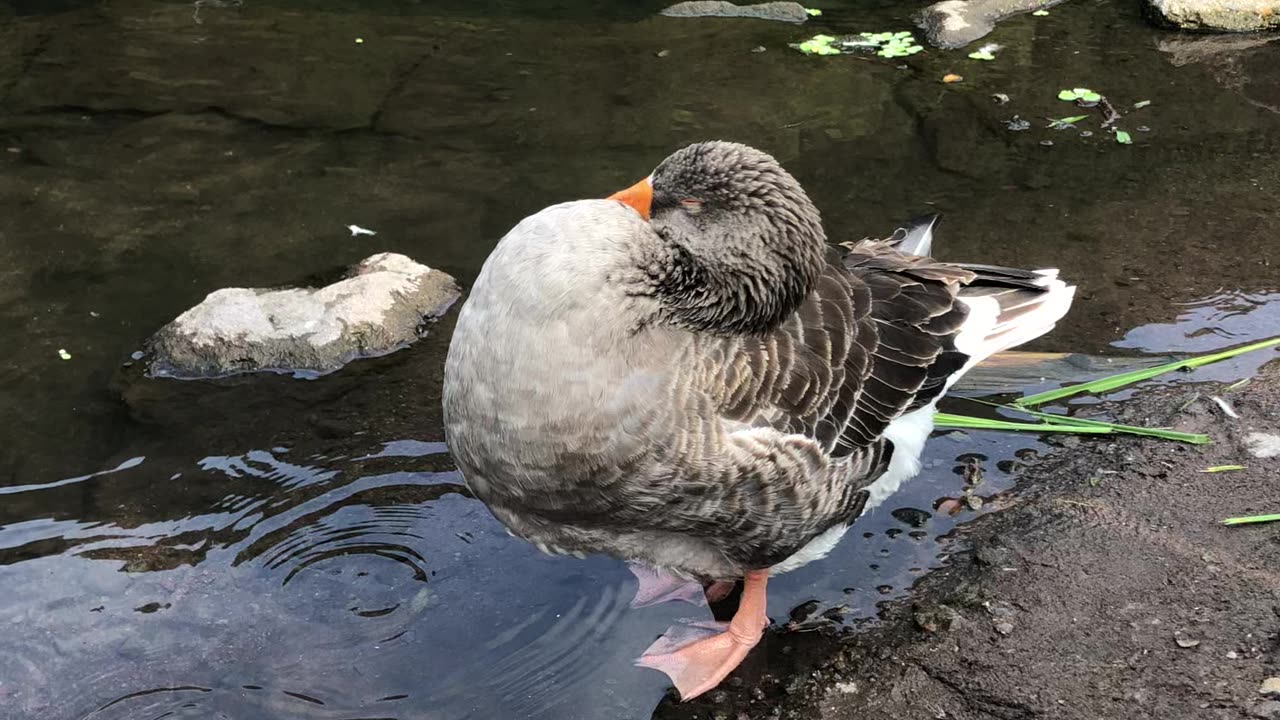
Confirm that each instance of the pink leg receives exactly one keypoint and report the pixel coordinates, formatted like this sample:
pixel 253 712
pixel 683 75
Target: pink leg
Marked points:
pixel 657 586
pixel 699 666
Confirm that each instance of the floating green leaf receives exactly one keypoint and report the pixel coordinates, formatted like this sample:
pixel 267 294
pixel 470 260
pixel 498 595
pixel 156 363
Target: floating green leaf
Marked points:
pixel 62 353
pixel 1040 13
pixel 1090 96
pixel 982 55
pixel 1068 95
pixel 1223 468
pixel 1066 122
pixel 1114 382
pixel 818 45
pixel 1141 104
pixel 813 12
pixel 1123 138
pixel 1250 519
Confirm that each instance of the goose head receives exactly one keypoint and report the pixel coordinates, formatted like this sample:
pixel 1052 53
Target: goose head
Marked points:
pixel 741 244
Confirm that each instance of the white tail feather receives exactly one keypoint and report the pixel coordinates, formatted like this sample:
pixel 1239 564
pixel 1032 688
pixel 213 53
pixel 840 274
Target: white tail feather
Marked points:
pixel 993 327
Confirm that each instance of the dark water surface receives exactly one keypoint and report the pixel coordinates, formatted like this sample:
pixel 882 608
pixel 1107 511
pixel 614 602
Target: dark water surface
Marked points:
pixel 274 548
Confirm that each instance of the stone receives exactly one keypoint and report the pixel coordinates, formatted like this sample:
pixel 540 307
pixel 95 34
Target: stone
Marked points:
pixel 1263 445
pixel 781 11
pixel 1270 687
pixel 936 619
pixel 1269 710
pixel 1217 15
pixel 955 23
pixel 378 308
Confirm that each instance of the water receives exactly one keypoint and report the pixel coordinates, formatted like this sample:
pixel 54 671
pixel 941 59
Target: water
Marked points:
pixel 267 547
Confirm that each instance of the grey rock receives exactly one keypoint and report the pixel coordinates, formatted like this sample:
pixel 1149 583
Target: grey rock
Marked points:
pixel 1263 445
pixel 1188 49
pixel 1269 710
pixel 956 23
pixel 936 619
pixel 378 308
pixel 781 11
pixel 1270 687
pixel 1218 15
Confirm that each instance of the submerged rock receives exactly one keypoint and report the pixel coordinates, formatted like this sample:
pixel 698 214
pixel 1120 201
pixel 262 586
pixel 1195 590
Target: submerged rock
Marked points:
pixel 379 307
pixel 1218 15
pixel 956 23
pixel 782 11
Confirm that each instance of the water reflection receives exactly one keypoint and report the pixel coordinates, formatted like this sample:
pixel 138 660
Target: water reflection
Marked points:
pixel 1216 322
pixel 324 589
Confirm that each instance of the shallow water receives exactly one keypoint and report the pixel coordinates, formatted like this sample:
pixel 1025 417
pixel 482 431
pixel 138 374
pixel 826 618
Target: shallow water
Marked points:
pixel 280 548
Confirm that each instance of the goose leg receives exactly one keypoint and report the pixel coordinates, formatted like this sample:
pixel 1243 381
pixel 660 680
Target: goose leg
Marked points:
pixel 698 666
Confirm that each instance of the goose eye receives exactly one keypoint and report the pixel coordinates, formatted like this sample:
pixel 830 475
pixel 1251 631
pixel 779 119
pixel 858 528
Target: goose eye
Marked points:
pixel 691 205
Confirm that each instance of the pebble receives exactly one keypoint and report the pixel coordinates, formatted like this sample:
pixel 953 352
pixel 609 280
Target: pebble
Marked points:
pixel 1269 710
pixel 1271 686
pixel 1263 445
pixel 1004 628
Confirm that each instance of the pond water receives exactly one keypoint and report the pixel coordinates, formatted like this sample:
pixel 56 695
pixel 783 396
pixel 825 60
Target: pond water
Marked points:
pixel 269 547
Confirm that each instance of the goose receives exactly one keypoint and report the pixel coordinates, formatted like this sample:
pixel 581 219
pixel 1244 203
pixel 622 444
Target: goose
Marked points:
pixel 687 376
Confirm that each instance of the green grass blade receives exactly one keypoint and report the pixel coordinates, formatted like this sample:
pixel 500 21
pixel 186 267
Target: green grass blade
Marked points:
pixel 1223 468
pixel 1114 382
pixel 1251 519
pixel 1191 438
pixel 964 422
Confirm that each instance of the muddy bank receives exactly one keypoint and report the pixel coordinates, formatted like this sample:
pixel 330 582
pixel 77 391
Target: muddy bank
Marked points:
pixel 1108 589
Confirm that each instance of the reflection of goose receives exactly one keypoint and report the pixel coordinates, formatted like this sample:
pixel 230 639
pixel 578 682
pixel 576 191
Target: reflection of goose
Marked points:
pixel 693 379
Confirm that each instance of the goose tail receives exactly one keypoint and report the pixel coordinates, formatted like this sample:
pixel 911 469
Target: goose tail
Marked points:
pixel 1008 308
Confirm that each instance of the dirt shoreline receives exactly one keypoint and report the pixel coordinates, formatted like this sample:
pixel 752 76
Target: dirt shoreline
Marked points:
pixel 1108 589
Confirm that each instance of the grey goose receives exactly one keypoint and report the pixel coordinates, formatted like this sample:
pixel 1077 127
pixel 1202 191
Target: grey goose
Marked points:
pixel 686 375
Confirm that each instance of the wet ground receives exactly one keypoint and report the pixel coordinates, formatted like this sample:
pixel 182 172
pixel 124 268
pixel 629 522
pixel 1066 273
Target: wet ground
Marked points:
pixel 267 547
pixel 1108 588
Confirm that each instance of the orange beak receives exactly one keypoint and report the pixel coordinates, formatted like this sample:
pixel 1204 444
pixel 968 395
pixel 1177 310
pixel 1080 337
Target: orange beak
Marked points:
pixel 638 197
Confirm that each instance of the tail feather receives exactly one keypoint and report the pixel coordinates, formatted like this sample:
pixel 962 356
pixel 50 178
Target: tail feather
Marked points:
pixel 1002 317
pixel 1007 306
pixel 916 238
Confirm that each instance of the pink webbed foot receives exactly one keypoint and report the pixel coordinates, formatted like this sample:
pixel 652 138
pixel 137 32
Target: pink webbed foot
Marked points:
pixel 657 586
pixel 698 665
